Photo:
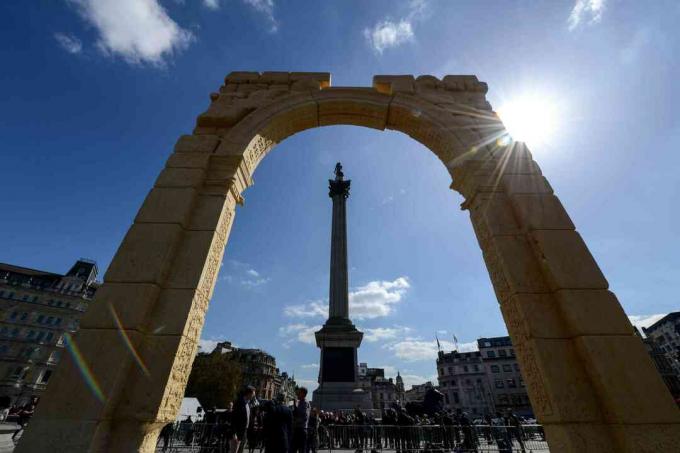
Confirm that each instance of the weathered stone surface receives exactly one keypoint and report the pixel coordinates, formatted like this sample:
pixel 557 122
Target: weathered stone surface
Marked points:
pixel 146 254
pixel 592 312
pixel 541 212
pixel 566 260
pixel 532 184
pixel 534 316
pixel 130 303
pixel 187 160
pixel 580 438
pixel 647 438
pixel 180 177
pixel 607 360
pixel 197 144
pixel 496 211
pixel 168 205
pixel 519 265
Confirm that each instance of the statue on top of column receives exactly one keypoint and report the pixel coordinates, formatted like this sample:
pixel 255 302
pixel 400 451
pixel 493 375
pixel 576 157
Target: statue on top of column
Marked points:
pixel 338 171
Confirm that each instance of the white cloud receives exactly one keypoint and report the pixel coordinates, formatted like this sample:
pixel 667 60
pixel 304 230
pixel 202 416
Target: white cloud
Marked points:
pixel 301 332
pixel 417 349
pixel 69 43
pixel 373 300
pixel 243 274
pixel 140 31
pixel 586 10
pixel 383 333
pixel 414 379
pixel 266 8
pixel 310 366
pixel 386 34
pixel 641 321
pixel 209 344
pixel 211 4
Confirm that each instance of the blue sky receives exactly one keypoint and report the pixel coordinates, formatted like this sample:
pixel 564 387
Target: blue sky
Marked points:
pixel 94 94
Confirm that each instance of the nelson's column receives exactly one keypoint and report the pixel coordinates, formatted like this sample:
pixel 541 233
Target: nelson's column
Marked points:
pixel 339 339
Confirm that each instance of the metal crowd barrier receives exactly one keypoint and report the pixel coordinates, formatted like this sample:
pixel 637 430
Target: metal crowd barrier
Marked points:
pixel 214 438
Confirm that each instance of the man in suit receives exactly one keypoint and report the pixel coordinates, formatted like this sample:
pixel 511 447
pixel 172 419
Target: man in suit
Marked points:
pixel 240 420
pixel 300 421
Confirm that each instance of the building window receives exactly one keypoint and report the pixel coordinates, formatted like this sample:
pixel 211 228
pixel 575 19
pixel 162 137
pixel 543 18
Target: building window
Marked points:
pixel 516 365
pixel 49 336
pixel 454 383
pixel 512 383
pixel 502 353
pixel 495 369
pixel 465 368
pixel 31 334
pixel 24 316
pixel 40 336
pixel 14 315
pixel 491 354
pixel 476 367
pixel 512 353
pixel 507 367
pixel 50 319
pixel 40 319
pixel 499 383
pixel 450 370
pixel 456 400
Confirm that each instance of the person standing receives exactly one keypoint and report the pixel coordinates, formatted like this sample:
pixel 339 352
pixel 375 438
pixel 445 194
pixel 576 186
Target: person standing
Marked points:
pixel 240 420
pixel 300 421
pixel 313 431
pixel 277 426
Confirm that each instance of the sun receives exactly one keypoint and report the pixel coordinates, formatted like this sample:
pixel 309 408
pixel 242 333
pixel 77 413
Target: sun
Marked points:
pixel 530 118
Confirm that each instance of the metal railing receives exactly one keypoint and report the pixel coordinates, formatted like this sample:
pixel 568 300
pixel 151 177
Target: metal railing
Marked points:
pixel 211 438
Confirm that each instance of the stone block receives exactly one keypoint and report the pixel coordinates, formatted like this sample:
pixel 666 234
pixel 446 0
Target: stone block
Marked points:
pixel 619 368
pixel 197 144
pixel 647 438
pixel 533 184
pixel 178 312
pixel 187 160
pixel 340 106
pixel 157 396
pixel 580 438
pixel 559 387
pixel 105 358
pixel 242 77
pixel 533 316
pixel 566 261
pixel 541 212
pixel 180 177
pixel 389 84
pixel 519 265
pixel 145 254
pixel 592 312
pixel 495 210
pixel 189 263
pixel 278 78
pixel 132 303
pixel 64 435
pixel 323 79
pixel 167 205
pixel 209 210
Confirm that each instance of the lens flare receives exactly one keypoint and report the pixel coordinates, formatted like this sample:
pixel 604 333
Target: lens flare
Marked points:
pixel 127 342
pixel 84 369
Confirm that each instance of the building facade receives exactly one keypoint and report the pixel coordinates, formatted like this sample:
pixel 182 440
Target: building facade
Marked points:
pixel 416 394
pixel 663 364
pixel 666 335
pixel 463 381
pixel 503 375
pixel 37 310
pixel 258 369
pixel 384 391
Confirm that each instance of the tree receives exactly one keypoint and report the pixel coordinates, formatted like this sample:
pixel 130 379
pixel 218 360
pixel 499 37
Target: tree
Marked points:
pixel 215 380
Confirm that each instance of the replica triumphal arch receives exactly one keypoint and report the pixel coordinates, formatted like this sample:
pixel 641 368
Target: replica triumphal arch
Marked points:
pixel 590 380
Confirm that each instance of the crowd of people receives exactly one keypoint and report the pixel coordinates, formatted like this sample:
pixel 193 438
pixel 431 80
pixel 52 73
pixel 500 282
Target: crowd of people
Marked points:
pixel 277 427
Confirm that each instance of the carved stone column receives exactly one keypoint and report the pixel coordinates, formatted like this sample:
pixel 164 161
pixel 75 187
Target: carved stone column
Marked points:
pixel 139 338
pixel 573 341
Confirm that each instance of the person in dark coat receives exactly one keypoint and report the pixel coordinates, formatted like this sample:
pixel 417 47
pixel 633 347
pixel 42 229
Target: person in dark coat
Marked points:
pixel 277 427
pixel 300 420
pixel 240 420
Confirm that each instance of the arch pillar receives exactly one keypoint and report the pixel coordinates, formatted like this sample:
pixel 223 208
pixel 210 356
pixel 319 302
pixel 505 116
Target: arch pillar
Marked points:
pixel 138 339
pixel 574 343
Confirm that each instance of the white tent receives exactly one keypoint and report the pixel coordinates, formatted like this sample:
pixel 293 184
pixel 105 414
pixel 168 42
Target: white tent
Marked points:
pixel 190 407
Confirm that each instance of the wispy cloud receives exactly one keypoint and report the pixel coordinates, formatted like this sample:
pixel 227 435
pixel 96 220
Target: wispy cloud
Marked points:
pixel 641 321
pixel 586 11
pixel 69 43
pixel 211 4
pixel 209 344
pixel 266 8
pixel 310 366
pixel 373 335
pixel 301 332
pixel 372 300
pixel 243 274
pixel 139 31
pixel 388 33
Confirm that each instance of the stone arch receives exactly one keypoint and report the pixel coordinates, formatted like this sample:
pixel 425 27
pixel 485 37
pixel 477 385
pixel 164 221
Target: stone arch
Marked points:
pixel 575 345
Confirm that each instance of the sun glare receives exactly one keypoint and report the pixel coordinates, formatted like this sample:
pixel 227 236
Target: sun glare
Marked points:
pixel 531 119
